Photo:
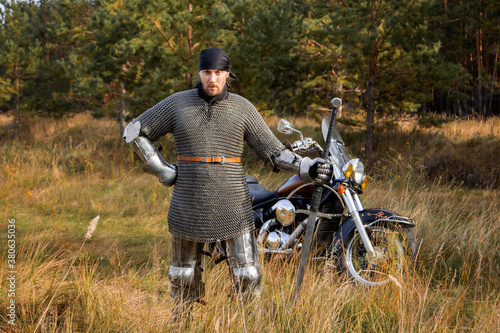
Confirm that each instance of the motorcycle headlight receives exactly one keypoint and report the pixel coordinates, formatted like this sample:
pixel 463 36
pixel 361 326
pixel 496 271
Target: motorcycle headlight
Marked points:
pixel 356 169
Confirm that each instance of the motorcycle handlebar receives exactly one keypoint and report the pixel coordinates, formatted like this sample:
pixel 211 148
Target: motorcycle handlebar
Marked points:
pixel 305 145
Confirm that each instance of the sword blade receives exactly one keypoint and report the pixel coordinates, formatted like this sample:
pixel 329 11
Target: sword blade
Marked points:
pixel 315 201
pixel 306 246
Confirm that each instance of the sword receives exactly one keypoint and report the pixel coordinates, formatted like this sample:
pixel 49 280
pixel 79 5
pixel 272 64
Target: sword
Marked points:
pixel 315 201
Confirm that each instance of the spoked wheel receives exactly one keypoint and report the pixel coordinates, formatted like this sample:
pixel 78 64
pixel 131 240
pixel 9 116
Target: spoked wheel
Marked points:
pixel 377 269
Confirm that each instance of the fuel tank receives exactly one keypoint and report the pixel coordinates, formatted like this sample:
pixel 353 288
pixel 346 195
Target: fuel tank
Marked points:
pixel 291 184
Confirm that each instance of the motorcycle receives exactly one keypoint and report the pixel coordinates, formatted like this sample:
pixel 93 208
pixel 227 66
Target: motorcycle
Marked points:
pixel 369 245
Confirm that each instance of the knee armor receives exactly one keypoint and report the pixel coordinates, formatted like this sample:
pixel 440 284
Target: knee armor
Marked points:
pixel 243 260
pixel 186 283
pixel 247 278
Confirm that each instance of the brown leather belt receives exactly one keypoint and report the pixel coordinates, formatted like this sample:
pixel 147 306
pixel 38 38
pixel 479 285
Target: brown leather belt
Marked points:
pixel 209 159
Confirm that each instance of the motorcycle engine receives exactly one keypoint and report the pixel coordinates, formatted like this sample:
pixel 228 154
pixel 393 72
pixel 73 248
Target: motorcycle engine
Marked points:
pixel 276 239
pixel 284 211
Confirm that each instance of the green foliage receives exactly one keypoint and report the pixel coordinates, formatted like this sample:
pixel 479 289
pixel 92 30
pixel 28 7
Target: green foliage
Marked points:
pixel 470 32
pixel 20 57
pixel 269 39
pixel 382 57
pixel 108 67
pixel 388 58
pixel 40 37
pixel 61 28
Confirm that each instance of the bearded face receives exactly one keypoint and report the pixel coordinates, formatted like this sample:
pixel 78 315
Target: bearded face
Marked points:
pixel 213 81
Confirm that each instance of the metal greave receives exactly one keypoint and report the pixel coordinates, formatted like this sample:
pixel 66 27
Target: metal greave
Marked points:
pixel 185 271
pixel 243 260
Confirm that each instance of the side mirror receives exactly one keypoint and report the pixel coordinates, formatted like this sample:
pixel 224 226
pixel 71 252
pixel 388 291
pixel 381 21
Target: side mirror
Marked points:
pixel 285 127
pixel 336 102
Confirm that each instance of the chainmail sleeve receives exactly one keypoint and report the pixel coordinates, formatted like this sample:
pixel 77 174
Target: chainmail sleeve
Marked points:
pixel 259 137
pixel 159 119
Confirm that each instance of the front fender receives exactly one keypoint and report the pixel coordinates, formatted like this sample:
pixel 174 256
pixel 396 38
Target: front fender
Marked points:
pixel 369 217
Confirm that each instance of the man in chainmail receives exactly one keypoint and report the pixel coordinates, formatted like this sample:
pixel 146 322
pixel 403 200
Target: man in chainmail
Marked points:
pixel 210 200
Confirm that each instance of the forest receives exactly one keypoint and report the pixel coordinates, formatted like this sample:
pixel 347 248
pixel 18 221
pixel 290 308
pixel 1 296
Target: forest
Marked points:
pixel 384 58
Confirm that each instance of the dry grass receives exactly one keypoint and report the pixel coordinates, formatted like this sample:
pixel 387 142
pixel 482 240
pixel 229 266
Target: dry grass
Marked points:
pixel 462 130
pixel 68 171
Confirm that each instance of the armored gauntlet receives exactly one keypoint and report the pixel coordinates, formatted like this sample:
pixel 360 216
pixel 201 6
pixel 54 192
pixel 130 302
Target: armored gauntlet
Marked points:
pixel 317 170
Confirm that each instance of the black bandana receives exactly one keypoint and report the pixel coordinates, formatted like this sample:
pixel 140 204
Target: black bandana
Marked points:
pixel 215 58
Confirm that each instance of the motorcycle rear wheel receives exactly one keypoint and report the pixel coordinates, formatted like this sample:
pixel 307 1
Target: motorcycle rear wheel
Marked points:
pixel 388 263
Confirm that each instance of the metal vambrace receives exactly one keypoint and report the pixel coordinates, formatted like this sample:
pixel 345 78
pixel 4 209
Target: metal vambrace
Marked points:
pixel 290 161
pixel 155 164
pixel 286 160
pixel 304 167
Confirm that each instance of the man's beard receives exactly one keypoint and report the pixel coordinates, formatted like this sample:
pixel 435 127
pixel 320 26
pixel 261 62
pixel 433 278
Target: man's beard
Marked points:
pixel 213 92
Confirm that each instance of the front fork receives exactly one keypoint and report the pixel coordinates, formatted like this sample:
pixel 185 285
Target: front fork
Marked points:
pixel 352 204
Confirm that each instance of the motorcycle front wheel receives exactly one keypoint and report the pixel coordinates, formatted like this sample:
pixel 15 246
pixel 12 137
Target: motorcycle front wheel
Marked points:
pixel 384 266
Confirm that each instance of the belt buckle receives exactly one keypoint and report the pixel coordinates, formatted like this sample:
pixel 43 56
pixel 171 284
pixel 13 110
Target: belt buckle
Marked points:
pixel 212 160
pixel 223 160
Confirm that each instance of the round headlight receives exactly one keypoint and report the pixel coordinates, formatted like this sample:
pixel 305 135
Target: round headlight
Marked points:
pixel 356 169
pixel 359 172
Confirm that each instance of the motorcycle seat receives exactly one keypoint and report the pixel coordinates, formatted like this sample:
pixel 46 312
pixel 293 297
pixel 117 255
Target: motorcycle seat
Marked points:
pixel 251 180
pixel 258 193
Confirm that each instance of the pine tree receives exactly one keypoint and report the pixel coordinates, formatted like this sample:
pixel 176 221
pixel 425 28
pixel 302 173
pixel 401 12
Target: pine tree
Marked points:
pixel 61 29
pixel 389 58
pixel 266 55
pixel 173 34
pixel 109 66
pixel 470 34
pixel 19 58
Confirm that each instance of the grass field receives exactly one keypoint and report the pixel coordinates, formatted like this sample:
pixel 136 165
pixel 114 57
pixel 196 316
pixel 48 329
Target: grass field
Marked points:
pixel 444 174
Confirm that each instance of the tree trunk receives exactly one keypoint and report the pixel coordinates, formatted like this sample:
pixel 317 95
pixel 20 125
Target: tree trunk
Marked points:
pixel 17 111
pixel 479 90
pixel 189 80
pixel 17 118
pixel 370 92
pixel 494 79
pixel 370 110
pixel 121 111
pixel 191 47
pixel 190 33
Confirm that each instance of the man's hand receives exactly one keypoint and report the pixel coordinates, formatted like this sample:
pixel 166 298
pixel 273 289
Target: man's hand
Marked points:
pixel 321 171
pixel 317 170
